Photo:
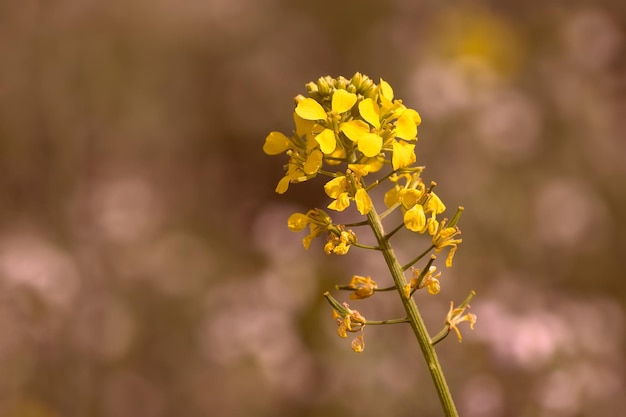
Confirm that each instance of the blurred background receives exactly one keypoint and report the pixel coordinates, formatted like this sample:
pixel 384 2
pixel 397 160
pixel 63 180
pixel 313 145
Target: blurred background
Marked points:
pixel 145 264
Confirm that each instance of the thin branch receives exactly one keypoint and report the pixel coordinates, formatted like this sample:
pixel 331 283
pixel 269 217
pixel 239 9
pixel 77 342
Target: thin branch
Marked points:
pixel 416 260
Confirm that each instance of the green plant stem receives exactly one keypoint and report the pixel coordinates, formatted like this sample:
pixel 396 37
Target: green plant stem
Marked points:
pixel 349 288
pixel 390 321
pixel 360 245
pixel 416 259
pixel 393 232
pixel 414 317
pixel 441 335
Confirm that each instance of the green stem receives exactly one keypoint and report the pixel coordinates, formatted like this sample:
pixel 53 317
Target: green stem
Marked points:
pixel 389 210
pixel 327 173
pixel 349 288
pixel 394 231
pixel 414 317
pixel 417 258
pixel 359 245
pixel 386 289
pixel 440 336
pixel 390 321
pixel 355 224
pixel 378 181
pixel 422 274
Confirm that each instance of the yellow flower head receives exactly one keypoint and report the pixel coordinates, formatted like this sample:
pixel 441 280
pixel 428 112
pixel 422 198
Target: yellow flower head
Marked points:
pixel 346 120
pixel 446 236
pixel 363 287
pixel 424 278
pixel 310 109
pixel 456 316
pixel 339 241
pixel 317 220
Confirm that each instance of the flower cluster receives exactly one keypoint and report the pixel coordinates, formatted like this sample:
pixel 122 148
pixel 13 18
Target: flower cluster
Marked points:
pixel 353 121
pixel 349 131
pixel 319 222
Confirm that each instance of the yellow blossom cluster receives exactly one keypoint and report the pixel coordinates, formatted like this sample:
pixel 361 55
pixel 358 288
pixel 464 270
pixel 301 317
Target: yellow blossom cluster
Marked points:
pixel 420 207
pixel 354 121
pixel 319 222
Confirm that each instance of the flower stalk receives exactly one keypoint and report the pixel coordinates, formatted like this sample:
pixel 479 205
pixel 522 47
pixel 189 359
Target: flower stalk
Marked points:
pixel 414 317
pixel 346 130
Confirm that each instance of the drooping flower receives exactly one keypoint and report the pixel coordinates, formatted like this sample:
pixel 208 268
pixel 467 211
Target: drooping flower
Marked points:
pixel 363 287
pixel 305 159
pixel 317 220
pixel 339 241
pixel 358 343
pixel 444 237
pixel 426 278
pixel 455 316
pixel 348 320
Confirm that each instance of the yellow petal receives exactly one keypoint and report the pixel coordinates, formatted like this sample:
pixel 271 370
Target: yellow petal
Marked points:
pixel 354 129
pixel 303 127
pixel 297 222
pixel 370 111
pixel 314 162
pixel 310 109
pixel 360 169
pixel 358 344
pixel 363 201
pixel 433 225
pixel 341 203
pixel 434 287
pixel 391 197
pixel 335 186
pixel 283 185
pixel 435 204
pixel 450 256
pixel 409 197
pixel 415 219
pixel 403 154
pixel 343 101
pixel 370 144
pixel 276 143
pixel 415 115
pixel 406 127
pixel 327 141
pixel 376 163
pixel 339 153
pixel 407 291
pixel 306 241
pixel 386 90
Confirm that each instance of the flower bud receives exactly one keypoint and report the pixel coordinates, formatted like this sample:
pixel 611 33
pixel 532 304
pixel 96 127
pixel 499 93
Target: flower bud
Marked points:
pixel 324 86
pixel 357 79
pixel 311 88
pixel 342 83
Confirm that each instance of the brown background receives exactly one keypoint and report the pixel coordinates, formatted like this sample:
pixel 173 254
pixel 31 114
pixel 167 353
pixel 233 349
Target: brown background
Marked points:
pixel 145 265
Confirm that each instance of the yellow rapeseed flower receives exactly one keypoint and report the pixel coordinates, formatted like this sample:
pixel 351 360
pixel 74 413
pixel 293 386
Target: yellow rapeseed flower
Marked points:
pixel 309 109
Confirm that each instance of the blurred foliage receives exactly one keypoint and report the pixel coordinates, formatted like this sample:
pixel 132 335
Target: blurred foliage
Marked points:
pixel 145 264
